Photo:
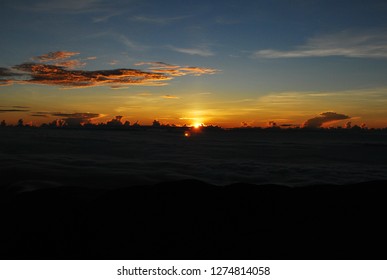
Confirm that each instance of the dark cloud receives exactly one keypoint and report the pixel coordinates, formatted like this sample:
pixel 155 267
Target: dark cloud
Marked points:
pixel 21 107
pixel 7 76
pixel 6 72
pixel 12 110
pixel 326 117
pixel 39 115
pixel 271 124
pixel 76 115
pixel 287 125
pixel 76 119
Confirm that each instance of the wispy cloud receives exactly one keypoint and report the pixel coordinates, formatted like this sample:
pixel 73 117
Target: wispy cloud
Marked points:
pixel 60 58
pixel 68 6
pixel 169 96
pixel 10 109
pixel 71 64
pixel 131 44
pixel 52 56
pixel 106 17
pixel 58 73
pixel 176 70
pixel 200 51
pixel 346 44
pixel 158 20
pixel 20 107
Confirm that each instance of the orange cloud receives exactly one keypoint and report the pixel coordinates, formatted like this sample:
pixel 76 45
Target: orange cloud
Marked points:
pixel 170 96
pixel 71 63
pixel 54 69
pixel 51 56
pixel 58 75
pixel 6 82
pixel 176 70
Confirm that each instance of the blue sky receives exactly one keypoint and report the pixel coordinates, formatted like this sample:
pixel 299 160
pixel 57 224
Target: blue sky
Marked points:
pixel 319 56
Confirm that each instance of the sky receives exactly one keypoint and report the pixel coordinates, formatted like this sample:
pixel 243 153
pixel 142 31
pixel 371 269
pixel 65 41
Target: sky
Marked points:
pixel 227 63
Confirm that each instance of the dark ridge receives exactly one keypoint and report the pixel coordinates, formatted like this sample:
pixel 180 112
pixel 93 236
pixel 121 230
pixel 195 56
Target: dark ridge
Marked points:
pixel 195 220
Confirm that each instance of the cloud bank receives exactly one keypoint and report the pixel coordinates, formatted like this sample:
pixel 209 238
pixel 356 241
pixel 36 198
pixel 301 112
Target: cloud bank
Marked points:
pixel 326 117
pixel 346 44
pixel 75 119
pixel 53 69
pixel 70 119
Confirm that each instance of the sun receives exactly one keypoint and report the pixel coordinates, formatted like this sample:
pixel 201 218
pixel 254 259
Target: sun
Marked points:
pixel 197 125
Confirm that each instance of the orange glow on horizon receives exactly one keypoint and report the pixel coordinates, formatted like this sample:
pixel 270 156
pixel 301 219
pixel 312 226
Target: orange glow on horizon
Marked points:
pixel 197 125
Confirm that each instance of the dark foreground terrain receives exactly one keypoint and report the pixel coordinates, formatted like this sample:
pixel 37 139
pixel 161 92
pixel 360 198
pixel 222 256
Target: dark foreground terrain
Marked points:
pixel 194 220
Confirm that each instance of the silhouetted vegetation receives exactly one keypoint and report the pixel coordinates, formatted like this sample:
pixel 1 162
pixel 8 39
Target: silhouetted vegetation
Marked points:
pixel 117 124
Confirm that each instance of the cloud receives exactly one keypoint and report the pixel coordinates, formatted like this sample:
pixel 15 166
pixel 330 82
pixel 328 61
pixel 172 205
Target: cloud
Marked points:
pixel 52 56
pixel 57 71
pixel 45 74
pixel 113 62
pixel 76 119
pixel 76 115
pixel 194 51
pixel 326 117
pixel 68 6
pixel 289 125
pixel 20 107
pixel 59 58
pixel 5 82
pixel 158 20
pixel 7 76
pixel 12 110
pixel 6 72
pixel 71 64
pixel 198 71
pixel 346 44
pixel 106 17
pixel 176 70
pixel 131 44
pixel 39 115
pixel 157 65
pixel 170 96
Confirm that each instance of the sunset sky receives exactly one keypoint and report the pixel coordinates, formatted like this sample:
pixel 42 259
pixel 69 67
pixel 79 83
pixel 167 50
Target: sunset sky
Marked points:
pixel 227 63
